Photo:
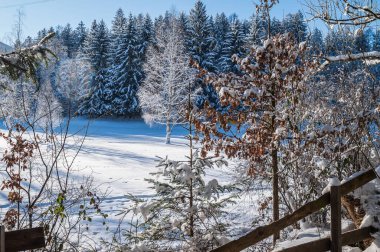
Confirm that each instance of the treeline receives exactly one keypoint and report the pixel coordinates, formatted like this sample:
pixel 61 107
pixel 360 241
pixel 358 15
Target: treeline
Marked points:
pixel 115 55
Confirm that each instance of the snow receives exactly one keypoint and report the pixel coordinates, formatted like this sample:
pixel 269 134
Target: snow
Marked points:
pixel 378 170
pixel 332 182
pixel 120 154
pixel 367 221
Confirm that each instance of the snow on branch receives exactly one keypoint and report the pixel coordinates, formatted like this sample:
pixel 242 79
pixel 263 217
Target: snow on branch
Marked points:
pixel 344 12
pixel 25 61
pixel 369 57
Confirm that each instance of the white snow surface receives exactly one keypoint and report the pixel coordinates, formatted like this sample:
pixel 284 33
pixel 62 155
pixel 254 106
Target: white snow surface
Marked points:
pixel 120 154
pixel 332 182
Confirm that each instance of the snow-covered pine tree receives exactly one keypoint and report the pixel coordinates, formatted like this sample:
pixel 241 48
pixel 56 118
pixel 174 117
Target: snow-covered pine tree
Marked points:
pixel 233 44
pixel 145 36
pixel 183 21
pixel 67 38
pixel 163 93
pixel 221 30
pixel 80 34
pixel 376 40
pixel 126 72
pixel 276 27
pixel 362 41
pixel 200 45
pixel 96 51
pixel 316 42
pixel 257 31
pixel 116 58
pixel 295 24
pixel 187 213
pixel 200 36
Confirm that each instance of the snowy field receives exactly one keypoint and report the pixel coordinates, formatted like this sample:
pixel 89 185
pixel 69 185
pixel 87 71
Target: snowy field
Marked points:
pixel 120 154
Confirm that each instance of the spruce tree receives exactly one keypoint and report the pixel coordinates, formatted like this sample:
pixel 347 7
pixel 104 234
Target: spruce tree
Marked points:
pixel 79 36
pixel 127 72
pixel 221 30
pixel 67 38
pixel 200 48
pixel 316 42
pixel 96 51
pixel 376 41
pixel 234 44
pixel 295 24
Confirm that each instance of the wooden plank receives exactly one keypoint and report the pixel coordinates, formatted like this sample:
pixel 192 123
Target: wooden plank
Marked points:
pixel 2 239
pixel 357 235
pixel 26 239
pixel 263 232
pixel 312 246
pixel 324 244
pixel 336 225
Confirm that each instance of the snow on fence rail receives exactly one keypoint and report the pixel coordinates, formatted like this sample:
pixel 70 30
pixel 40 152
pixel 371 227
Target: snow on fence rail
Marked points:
pixel 332 197
pixel 21 240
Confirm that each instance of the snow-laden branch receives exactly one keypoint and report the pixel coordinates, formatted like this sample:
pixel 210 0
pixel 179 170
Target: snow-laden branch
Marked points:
pixel 369 57
pixel 24 61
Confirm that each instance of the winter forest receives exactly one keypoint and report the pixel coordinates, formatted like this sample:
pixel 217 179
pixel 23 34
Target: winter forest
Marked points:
pixel 195 132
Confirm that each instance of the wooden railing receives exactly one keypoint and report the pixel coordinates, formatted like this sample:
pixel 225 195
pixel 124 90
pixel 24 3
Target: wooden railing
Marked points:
pixel 21 240
pixel 332 243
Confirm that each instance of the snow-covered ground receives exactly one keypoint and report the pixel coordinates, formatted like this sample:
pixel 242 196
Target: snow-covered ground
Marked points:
pixel 119 154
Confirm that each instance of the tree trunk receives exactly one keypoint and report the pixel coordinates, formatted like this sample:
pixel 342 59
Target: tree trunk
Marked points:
pixel 168 132
pixel 276 208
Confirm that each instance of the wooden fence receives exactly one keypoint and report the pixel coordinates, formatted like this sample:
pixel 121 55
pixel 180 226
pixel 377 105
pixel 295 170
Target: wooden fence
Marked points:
pixel 333 243
pixel 21 240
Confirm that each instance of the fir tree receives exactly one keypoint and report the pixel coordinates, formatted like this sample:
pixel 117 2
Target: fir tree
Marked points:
pixel 79 36
pixel 376 41
pixel 67 38
pixel 295 24
pixel 126 72
pixel 200 42
pixel 95 50
pixel 234 44
pixel 222 28
pixel 257 31
pixel 316 42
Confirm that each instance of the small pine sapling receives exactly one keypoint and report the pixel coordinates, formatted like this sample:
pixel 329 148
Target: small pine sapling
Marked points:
pixel 187 212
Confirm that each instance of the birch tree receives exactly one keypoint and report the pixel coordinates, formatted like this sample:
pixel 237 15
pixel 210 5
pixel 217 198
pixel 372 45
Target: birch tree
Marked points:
pixel 163 93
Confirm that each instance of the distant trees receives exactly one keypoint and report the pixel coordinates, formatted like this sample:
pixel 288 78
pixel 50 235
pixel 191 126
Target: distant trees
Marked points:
pixel 117 55
pixel 169 78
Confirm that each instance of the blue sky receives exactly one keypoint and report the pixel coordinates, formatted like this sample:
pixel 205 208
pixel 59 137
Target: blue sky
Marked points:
pixel 45 13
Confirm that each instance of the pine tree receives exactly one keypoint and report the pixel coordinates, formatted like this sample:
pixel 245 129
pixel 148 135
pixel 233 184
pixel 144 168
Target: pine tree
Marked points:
pixel 200 42
pixel 79 36
pixel 276 27
pixel 186 214
pixel 362 41
pixel 221 30
pixel 234 44
pixel 126 72
pixel 96 49
pixel 295 24
pixel 376 41
pixel 316 42
pixel 145 36
pixel 257 31
pixel 183 21
pixel 67 38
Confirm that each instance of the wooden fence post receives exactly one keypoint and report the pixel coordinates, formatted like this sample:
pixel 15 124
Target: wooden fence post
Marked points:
pixel 336 224
pixel 2 239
